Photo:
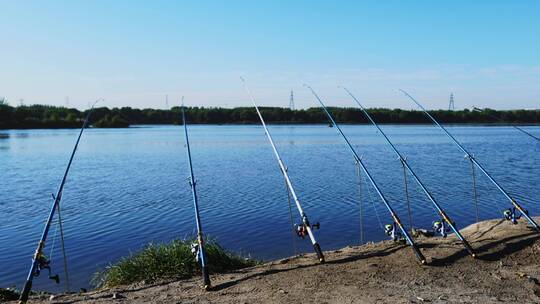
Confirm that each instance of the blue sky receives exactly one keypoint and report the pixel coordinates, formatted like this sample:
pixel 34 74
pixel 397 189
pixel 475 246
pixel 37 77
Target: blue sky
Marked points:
pixel 132 53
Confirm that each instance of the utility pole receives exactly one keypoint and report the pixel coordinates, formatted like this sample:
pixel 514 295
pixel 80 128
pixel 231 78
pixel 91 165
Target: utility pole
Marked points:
pixel 451 106
pixel 291 101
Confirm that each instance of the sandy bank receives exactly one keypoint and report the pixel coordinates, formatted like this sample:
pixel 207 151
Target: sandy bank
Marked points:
pixel 506 270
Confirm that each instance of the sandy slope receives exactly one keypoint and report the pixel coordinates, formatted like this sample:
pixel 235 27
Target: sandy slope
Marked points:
pixel 506 270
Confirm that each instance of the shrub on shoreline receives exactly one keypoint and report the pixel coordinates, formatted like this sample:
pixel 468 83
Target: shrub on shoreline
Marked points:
pixel 172 260
pixel 8 294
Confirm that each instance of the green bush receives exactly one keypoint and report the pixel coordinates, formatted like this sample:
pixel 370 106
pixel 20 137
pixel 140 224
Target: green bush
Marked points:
pixel 43 116
pixel 168 261
pixel 111 122
pixel 8 294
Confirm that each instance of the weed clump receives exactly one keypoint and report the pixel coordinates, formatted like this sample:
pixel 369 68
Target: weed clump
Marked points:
pixel 8 294
pixel 172 260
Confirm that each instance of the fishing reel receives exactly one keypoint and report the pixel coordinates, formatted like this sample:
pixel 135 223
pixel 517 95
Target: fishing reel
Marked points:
pixel 441 228
pixel 44 263
pixel 195 250
pixel 391 231
pixel 511 215
pixel 301 230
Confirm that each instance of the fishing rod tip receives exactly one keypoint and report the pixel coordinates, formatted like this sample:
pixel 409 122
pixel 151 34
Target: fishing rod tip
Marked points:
pixel 95 102
pixel 405 93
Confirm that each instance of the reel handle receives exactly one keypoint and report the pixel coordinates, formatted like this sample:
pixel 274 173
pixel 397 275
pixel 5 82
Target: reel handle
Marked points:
pixel 55 278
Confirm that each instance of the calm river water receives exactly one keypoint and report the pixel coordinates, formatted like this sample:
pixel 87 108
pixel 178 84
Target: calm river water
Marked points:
pixel 128 187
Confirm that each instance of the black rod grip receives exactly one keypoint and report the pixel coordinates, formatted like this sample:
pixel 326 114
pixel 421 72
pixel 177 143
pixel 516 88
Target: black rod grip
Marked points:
pixel 25 292
pixel 419 254
pixel 206 278
pixel 319 252
pixel 469 248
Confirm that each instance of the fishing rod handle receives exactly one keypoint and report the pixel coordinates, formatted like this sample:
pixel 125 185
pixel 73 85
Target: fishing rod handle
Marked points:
pixel 468 247
pixel 418 254
pixel 206 278
pixel 25 292
pixel 319 252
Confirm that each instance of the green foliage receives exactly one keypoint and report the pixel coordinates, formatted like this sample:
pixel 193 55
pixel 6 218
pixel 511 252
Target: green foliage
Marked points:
pixel 168 261
pixel 8 294
pixel 111 122
pixel 41 116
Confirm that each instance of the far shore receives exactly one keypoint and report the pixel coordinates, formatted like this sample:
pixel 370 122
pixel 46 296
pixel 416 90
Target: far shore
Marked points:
pixel 472 124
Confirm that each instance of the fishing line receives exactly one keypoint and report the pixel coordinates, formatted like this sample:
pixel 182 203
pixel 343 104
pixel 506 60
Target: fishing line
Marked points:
pixel 198 248
pixel 293 233
pixel 515 127
pixel 510 213
pixel 407 197
pixel 360 207
pixel 475 193
pixel 390 229
pixel 373 204
pixel 39 261
pixel 306 228
pixel 426 202
pixel 53 244
pixel 60 225
pixel 444 217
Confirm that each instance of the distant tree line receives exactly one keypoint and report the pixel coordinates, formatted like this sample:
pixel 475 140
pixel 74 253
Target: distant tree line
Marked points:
pixel 43 116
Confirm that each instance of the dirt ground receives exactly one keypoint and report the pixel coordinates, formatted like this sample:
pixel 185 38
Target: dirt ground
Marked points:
pixel 505 270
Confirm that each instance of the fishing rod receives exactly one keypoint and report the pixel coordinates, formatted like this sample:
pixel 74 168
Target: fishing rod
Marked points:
pixel 198 249
pixel 439 226
pixel 358 160
pixel 40 261
pixel 509 214
pixel 501 120
pixel 305 228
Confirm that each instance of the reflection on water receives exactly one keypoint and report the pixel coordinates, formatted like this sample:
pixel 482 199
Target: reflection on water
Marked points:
pixel 22 135
pixel 3 144
pixel 128 187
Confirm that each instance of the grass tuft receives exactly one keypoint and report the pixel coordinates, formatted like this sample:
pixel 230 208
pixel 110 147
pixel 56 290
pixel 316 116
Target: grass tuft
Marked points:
pixel 164 261
pixel 8 294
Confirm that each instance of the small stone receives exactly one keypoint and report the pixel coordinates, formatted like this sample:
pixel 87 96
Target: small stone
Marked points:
pixel 373 265
pixel 282 291
pixel 117 296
